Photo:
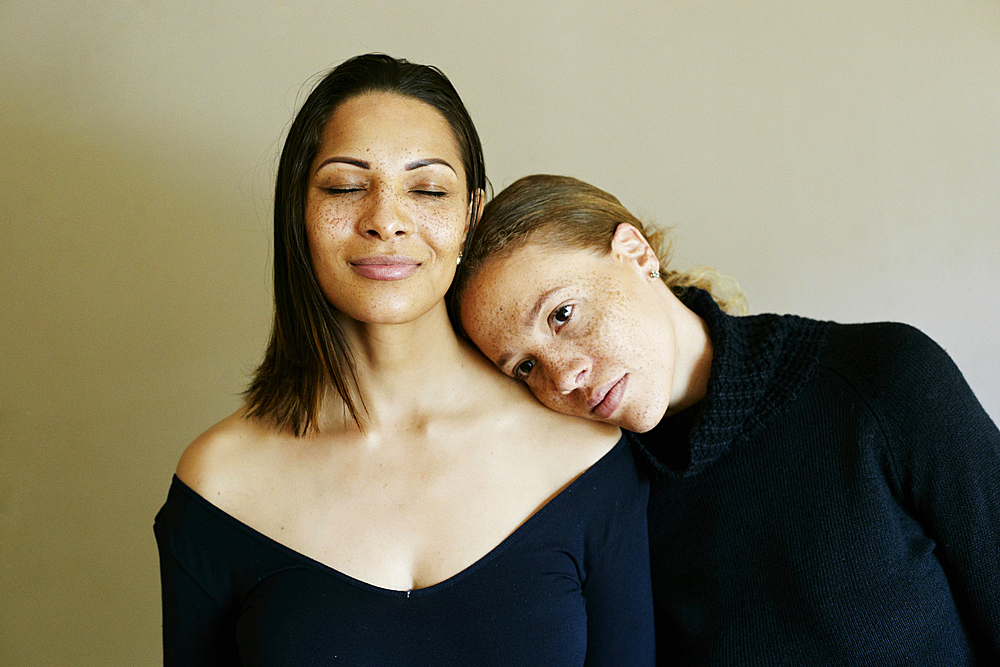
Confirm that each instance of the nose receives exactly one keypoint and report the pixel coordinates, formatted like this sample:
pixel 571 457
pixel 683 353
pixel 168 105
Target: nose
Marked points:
pixel 386 217
pixel 568 373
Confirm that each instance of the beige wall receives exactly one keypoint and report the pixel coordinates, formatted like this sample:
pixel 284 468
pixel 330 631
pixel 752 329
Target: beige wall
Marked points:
pixel 842 159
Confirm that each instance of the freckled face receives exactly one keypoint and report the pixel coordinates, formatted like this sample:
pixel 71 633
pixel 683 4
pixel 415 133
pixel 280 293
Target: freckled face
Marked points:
pixel 589 334
pixel 387 208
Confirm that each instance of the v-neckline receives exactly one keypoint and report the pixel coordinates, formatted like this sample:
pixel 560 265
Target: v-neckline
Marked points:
pixel 455 578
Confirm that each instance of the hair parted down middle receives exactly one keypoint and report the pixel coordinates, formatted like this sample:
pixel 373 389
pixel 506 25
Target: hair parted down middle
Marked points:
pixel 568 214
pixel 308 354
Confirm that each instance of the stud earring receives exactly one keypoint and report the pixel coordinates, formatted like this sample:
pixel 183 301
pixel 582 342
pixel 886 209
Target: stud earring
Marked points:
pixel 459 260
pixel 654 274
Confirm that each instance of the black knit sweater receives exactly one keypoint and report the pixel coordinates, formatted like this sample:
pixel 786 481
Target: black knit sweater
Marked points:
pixel 833 500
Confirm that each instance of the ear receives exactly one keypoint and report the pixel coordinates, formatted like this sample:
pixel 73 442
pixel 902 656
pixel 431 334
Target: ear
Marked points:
pixel 629 244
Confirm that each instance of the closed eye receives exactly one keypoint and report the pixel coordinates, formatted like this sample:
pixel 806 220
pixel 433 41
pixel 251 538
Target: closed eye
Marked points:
pixel 343 189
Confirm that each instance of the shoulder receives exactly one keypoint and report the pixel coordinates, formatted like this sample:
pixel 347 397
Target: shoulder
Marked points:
pixel 880 338
pixel 888 353
pixel 906 380
pixel 220 460
pixel 527 413
pixel 552 440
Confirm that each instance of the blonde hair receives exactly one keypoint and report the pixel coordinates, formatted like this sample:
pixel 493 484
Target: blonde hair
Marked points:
pixel 725 290
pixel 567 213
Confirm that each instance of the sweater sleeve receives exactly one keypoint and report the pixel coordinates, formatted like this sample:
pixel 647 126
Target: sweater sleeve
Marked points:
pixel 945 458
pixel 197 626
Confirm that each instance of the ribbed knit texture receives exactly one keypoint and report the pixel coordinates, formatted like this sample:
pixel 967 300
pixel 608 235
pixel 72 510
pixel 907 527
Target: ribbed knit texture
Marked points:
pixel 834 500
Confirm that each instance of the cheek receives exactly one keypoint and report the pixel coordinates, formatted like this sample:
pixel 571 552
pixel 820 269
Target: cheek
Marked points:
pixel 324 228
pixel 554 400
pixel 484 317
pixel 444 229
pixel 614 336
pixel 550 399
pixel 485 331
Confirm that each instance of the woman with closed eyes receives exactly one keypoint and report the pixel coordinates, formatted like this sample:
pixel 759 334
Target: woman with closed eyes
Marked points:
pixel 822 494
pixel 384 497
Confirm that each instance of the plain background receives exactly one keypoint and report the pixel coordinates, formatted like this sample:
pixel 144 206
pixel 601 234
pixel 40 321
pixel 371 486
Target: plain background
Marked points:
pixel 841 159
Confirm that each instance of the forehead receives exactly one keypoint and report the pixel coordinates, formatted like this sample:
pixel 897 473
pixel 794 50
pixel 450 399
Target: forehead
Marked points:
pixel 389 122
pixel 505 290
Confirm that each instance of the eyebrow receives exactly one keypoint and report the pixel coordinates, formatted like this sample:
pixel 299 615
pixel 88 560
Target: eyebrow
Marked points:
pixel 417 164
pixel 527 321
pixel 345 160
pixel 362 164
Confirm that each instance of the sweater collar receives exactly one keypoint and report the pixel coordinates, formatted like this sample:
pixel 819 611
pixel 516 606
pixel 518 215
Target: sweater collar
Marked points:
pixel 759 363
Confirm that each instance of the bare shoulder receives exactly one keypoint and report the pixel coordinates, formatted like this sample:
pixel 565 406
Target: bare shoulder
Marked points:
pixel 563 439
pixel 566 428
pixel 220 460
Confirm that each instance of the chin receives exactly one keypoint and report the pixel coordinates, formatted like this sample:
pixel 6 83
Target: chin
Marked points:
pixel 642 422
pixel 640 427
pixel 388 312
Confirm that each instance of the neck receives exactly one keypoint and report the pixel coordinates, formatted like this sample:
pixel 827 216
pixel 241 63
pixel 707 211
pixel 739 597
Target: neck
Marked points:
pixel 411 371
pixel 693 358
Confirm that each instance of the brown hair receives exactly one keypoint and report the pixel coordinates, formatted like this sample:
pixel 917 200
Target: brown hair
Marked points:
pixel 308 352
pixel 568 214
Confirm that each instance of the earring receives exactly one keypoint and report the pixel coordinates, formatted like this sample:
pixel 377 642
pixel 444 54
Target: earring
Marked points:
pixel 654 274
pixel 459 260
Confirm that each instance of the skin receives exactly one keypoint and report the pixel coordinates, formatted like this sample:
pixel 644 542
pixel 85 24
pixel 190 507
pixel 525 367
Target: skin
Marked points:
pixel 453 457
pixel 594 336
pixel 381 209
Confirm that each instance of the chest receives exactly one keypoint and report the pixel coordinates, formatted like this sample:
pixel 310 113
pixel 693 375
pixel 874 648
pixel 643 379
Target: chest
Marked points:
pixel 518 607
pixel 400 522
pixel 794 539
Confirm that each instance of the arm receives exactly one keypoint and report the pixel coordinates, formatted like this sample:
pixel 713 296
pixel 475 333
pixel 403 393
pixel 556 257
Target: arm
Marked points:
pixel 617 588
pixel 197 628
pixel 946 469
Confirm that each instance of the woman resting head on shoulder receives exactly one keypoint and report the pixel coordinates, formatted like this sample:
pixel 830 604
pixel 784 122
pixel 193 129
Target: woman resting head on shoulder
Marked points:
pixel 822 493
pixel 562 290
pixel 384 496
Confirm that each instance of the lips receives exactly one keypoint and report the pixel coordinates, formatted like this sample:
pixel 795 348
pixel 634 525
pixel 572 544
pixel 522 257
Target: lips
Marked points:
pixel 385 267
pixel 609 397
